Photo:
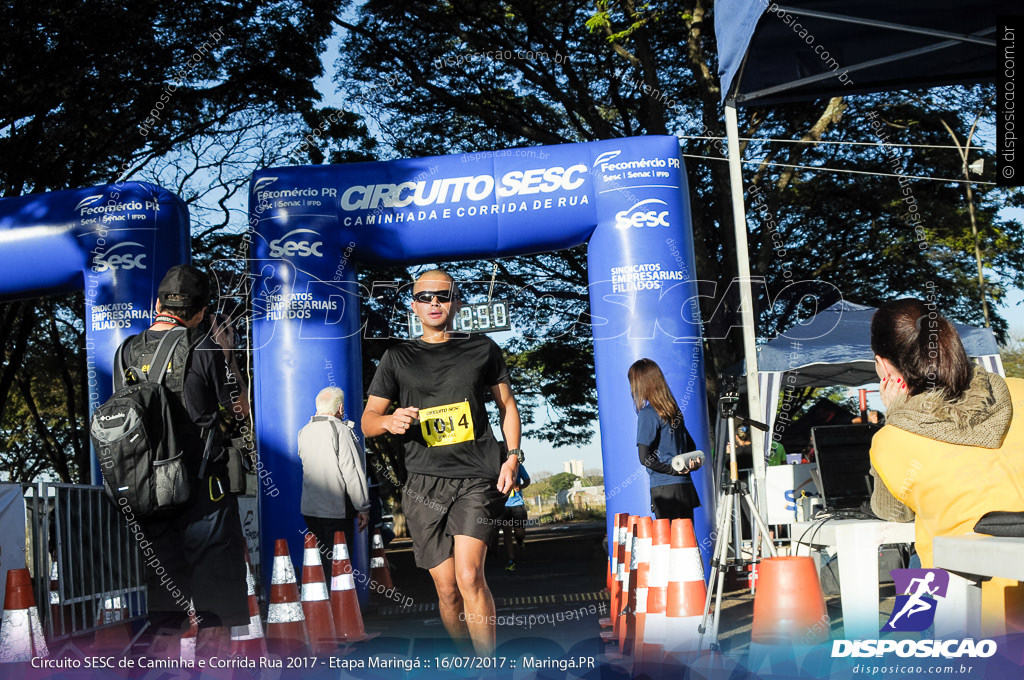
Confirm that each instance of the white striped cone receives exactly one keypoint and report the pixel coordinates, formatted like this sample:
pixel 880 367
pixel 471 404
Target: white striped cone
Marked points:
pixel 316 600
pixel 286 623
pixel 642 552
pixel 653 643
pixel 248 641
pixel 21 631
pixel 686 590
pixel 348 620
pixel 379 571
pixel 187 648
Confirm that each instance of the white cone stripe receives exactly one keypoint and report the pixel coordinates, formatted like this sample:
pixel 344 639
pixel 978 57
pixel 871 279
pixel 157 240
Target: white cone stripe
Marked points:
pixel 250 582
pixel 314 592
pixel 376 563
pixel 658 575
pixel 645 545
pixel 285 612
pixel 343 582
pixel 310 557
pixel 284 570
pixel 54 597
pixel 621 537
pixel 378 544
pixel 681 634
pixel 187 651
pixel 340 551
pixel 37 633
pixel 254 631
pixel 15 637
pixel 620 574
pixel 641 600
pixel 655 632
pixel 685 564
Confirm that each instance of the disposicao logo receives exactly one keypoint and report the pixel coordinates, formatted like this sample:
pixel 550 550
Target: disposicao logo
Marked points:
pixel 915 608
pixel 914 611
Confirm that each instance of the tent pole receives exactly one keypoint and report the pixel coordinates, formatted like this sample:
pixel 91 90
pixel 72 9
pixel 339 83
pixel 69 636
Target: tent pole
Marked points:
pixel 739 218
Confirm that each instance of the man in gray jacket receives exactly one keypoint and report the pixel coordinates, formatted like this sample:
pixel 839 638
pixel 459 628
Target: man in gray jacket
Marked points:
pixel 332 471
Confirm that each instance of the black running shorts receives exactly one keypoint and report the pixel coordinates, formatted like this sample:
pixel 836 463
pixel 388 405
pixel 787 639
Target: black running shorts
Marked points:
pixel 438 508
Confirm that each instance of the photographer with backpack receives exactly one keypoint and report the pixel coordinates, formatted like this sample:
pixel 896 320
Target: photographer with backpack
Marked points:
pixel 175 385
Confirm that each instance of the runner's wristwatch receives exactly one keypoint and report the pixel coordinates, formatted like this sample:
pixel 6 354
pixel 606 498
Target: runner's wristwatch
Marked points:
pixel 518 453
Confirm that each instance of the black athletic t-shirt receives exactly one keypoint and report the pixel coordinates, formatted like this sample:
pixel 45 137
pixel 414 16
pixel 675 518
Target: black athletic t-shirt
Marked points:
pixel 447 381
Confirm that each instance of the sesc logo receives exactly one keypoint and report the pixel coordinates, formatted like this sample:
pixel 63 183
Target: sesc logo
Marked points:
pixel 636 217
pixel 283 247
pixel 121 260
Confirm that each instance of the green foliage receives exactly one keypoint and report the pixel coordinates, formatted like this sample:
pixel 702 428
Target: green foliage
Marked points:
pixel 563 481
pixel 1012 354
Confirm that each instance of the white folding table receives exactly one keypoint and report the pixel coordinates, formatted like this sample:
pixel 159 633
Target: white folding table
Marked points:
pixel 856 542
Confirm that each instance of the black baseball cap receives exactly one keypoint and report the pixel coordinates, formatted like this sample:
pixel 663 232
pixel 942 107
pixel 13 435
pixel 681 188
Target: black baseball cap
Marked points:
pixel 184 286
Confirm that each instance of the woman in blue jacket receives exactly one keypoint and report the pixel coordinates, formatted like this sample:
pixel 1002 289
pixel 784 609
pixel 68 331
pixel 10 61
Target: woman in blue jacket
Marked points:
pixel 661 435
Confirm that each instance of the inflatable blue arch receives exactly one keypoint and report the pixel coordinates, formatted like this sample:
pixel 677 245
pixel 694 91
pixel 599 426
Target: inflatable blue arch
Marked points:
pixel 310 226
pixel 626 198
pixel 114 242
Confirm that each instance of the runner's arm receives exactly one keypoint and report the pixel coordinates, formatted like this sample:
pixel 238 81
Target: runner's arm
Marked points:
pixel 375 423
pixel 511 428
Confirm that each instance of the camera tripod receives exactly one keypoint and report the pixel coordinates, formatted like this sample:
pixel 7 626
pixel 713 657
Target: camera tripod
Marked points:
pixel 729 510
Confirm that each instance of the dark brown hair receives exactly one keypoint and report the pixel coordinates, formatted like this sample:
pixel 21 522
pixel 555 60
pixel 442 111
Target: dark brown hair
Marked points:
pixel 923 346
pixel 647 385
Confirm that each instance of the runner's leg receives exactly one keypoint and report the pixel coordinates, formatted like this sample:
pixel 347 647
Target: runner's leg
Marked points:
pixel 450 600
pixel 476 596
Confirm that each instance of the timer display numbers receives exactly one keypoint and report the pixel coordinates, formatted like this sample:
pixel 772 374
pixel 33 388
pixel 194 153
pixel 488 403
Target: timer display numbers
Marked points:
pixel 483 317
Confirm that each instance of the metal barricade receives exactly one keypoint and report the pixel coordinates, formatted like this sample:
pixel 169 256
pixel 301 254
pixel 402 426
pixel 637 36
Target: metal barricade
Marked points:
pixel 85 561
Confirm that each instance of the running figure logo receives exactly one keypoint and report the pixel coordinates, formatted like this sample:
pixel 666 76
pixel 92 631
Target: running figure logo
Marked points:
pixel 915 608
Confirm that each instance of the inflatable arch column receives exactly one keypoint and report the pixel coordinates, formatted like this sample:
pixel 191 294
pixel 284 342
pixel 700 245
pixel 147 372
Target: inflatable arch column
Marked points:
pixel 311 225
pixel 114 242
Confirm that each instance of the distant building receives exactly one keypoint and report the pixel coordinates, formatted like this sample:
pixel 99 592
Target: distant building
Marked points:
pixel 574 467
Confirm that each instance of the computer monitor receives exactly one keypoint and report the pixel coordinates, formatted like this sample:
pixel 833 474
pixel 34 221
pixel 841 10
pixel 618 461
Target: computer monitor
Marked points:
pixel 844 463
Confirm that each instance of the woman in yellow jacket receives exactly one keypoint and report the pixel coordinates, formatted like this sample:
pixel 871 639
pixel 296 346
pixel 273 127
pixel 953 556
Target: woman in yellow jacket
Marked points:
pixel 951 449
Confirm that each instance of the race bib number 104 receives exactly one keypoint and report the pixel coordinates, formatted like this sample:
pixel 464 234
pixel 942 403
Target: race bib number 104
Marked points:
pixel 448 424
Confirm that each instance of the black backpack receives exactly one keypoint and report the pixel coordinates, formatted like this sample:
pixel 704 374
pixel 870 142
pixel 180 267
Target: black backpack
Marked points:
pixel 140 432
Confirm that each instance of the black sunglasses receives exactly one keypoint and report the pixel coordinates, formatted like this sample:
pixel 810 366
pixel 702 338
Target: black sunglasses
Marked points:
pixel 426 296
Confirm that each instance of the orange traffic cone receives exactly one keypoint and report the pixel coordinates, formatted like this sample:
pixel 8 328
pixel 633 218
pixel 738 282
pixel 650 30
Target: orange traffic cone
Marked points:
pixel 627 621
pixel 639 574
pixel 248 641
pixel 686 593
pixel 21 631
pixel 187 649
pixel 348 620
pixel 620 578
pixel 789 615
pixel 286 624
pixel 316 603
pixel 379 570
pixel 115 633
pixel 614 584
pixel 652 645
pixel 789 605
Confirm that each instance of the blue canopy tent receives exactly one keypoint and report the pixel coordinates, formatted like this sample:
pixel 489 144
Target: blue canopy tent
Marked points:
pixel 807 49
pixel 834 348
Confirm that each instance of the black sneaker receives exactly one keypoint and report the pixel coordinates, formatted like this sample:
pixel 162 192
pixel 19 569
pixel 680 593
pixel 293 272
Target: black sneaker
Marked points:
pixel 511 566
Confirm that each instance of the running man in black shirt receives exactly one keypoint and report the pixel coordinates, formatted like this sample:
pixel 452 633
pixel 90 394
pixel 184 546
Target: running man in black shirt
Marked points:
pixel 457 480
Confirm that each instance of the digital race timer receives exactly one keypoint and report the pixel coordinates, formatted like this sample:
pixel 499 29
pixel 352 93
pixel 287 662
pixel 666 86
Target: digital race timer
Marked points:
pixel 487 317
